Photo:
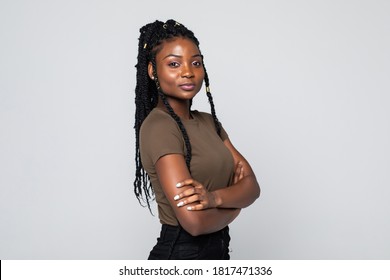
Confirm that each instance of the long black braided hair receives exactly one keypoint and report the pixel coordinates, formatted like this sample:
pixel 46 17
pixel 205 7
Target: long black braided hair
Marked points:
pixel 148 91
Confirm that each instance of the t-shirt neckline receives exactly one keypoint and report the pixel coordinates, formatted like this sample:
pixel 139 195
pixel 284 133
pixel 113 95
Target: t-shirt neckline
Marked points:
pixel 194 114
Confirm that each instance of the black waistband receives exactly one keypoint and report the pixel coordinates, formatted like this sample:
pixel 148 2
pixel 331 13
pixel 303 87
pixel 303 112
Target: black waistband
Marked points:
pixel 176 229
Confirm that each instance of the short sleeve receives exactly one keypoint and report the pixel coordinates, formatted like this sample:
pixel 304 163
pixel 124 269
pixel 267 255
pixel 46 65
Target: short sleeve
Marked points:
pixel 159 136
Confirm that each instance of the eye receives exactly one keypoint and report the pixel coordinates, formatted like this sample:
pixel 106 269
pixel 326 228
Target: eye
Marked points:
pixel 173 64
pixel 197 63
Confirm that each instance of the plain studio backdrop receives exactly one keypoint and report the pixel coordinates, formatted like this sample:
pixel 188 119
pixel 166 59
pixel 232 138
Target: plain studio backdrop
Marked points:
pixel 302 88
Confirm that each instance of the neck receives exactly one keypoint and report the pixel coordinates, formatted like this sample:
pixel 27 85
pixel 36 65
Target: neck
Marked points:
pixel 180 107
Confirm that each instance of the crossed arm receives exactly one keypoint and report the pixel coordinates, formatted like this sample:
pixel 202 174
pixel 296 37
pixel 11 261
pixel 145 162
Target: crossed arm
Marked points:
pixel 218 208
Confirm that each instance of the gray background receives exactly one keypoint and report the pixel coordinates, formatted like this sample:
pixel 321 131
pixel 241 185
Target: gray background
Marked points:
pixel 302 87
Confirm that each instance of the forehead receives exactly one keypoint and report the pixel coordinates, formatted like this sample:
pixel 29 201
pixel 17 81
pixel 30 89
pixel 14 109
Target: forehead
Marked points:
pixel 178 46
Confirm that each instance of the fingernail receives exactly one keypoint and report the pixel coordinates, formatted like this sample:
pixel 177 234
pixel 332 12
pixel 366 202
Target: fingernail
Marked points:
pixel 189 208
pixel 178 185
pixel 180 204
pixel 176 197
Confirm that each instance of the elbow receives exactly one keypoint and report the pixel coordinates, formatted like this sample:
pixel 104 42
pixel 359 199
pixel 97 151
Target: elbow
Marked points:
pixel 258 191
pixel 195 232
pixel 194 227
pixel 255 188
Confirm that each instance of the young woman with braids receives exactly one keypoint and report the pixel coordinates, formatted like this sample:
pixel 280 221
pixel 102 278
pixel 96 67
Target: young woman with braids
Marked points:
pixel 184 158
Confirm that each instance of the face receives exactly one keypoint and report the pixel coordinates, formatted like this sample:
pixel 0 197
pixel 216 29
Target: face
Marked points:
pixel 179 69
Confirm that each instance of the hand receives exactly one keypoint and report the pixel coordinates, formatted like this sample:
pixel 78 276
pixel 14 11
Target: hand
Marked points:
pixel 197 193
pixel 238 172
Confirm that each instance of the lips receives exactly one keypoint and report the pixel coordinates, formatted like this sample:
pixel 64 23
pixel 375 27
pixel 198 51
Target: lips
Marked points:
pixel 187 87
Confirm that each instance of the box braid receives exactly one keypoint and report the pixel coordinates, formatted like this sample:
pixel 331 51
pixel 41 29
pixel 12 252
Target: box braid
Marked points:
pixel 148 91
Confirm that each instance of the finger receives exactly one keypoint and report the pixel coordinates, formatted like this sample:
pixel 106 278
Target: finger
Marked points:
pixel 196 207
pixel 241 173
pixel 237 172
pixel 189 200
pixel 200 189
pixel 187 182
pixel 188 192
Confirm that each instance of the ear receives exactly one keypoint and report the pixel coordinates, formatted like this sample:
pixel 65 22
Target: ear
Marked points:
pixel 150 71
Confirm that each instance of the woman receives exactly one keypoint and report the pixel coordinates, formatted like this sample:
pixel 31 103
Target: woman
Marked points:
pixel 184 158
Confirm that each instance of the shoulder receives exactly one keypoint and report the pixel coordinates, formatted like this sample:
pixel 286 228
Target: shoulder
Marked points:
pixel 203 117
pixel 157 117
pixel 159 127
pixel 159 135
pixel 156 122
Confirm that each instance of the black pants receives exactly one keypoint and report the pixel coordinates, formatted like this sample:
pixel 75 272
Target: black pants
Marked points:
pixel 177 244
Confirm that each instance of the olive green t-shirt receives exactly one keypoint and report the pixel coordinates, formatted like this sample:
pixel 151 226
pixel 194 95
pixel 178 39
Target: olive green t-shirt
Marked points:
pixel 212 163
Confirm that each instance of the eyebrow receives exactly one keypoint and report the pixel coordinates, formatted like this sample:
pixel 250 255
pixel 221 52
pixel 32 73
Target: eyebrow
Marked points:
pixel 179 56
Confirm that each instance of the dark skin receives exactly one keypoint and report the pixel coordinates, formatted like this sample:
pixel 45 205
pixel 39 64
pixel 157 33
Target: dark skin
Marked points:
pixel 180 73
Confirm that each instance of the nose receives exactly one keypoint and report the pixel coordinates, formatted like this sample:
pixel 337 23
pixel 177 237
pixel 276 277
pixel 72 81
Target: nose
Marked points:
pixel 187 71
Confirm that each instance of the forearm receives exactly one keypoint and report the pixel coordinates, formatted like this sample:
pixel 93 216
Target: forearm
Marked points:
pixel 208 221
pixel 171 170
pixel 239 195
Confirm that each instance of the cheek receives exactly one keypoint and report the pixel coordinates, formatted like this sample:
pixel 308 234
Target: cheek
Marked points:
pixel 201 72
pixel 201 75
pixel 167 77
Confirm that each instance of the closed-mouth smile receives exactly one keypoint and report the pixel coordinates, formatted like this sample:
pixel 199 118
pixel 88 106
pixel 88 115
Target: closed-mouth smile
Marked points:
pixel 187 87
